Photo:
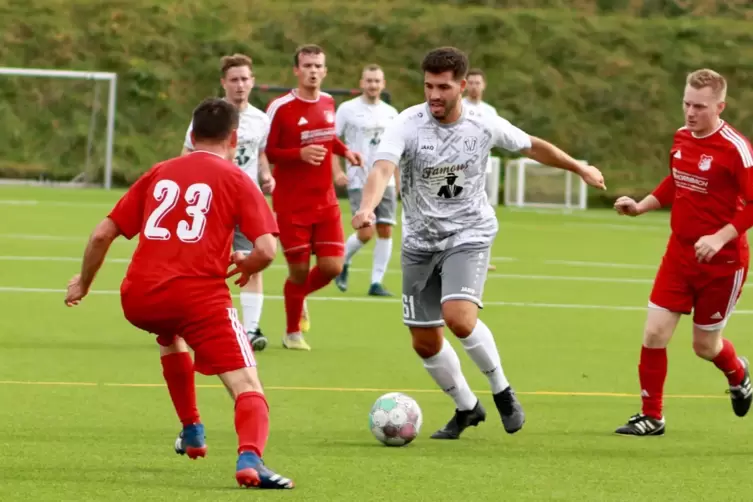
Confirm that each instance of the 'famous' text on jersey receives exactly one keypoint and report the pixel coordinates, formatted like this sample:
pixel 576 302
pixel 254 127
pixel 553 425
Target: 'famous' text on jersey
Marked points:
pixel 297 123
pixel 252 139
pixel 442 175
pixel 361 124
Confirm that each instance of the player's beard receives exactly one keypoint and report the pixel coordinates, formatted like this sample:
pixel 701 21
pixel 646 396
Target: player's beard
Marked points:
pixel 447 107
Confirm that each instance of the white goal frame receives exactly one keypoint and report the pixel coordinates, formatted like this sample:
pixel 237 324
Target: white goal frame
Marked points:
pixel 515 195
pixel 111 78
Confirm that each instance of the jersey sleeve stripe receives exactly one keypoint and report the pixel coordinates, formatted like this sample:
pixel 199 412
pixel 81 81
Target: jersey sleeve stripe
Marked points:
pixel 743 149
pixel 277 103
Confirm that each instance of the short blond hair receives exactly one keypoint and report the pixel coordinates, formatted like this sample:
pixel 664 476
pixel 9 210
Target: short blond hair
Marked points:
pixel 708 78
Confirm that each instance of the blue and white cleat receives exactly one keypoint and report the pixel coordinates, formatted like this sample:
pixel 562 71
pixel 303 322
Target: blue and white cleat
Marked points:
pixel 250 471
pixel 191 442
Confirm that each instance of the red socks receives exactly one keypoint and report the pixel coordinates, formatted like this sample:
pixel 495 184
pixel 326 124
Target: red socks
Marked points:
pixel 252 422
pixel 177 368
pixel 652 372
pixel 295 294
pixel 728 362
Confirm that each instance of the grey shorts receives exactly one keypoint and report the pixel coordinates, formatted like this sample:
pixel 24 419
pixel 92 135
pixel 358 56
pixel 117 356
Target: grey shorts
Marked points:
pixel 240 243
pixel 386 210
pixel 430 279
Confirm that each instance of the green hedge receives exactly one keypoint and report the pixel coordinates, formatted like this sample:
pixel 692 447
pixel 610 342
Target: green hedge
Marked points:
pixel 605 87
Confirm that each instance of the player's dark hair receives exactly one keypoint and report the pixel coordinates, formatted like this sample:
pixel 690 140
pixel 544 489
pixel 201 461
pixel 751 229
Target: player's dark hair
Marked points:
pixel 477 71
pixel 445 59
pixel 308 49
pixel 214 120
pixel 234 61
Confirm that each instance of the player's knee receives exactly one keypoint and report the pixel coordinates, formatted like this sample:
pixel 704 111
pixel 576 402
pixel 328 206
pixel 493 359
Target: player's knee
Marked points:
pixel 460 316
pixel 298 273
pixel 706 344
pixel 660 326
pixel 427 342
pixel 384 231
pixel 330 266
pixel 241 381
pixel 365 234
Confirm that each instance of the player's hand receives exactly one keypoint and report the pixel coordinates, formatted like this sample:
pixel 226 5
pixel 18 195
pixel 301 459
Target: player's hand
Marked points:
pixel 707 247
pixel 626 206
pixel 354 158
pixel 236 261
pixel 76 291
pixel 268 184
pixel 592 176
pixel 363 219
pixel 313 154
pixel 341 179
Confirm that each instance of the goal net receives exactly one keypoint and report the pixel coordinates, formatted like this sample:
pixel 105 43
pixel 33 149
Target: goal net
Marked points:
pixel 529 184
pixel 57 127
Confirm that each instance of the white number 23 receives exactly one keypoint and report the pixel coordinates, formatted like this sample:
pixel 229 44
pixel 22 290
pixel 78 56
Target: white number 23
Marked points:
pixel 199 198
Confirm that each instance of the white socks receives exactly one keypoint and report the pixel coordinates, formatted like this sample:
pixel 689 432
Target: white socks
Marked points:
pixel 352 245
pixel 382 254
pixel 251 304
pixel 481 347
pixel 444 368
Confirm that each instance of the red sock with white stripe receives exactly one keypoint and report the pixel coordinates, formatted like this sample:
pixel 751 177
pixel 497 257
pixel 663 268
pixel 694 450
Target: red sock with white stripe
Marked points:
pixel 729 363
pixel 178 370
pixel 652 372
pixel 252 422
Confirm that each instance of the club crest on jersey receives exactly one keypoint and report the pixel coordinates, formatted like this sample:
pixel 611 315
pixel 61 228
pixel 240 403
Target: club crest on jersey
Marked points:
pixel 470 144
pixel 329 117
pixel 705 163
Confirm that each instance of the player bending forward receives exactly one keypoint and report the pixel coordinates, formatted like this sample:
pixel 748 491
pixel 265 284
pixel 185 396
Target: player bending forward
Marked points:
pixel 237 81
pixel 362 121
pixel 184 211
pixel 710 188
pixel 441 148
pixel 300 145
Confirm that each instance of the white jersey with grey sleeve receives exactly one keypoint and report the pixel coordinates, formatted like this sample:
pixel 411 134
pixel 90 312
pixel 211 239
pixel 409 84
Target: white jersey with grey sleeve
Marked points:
pixel 253 131
pixel 442 173
pixel 361 124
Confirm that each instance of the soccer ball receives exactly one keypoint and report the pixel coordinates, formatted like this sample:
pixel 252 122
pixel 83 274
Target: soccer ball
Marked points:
pixel 395 419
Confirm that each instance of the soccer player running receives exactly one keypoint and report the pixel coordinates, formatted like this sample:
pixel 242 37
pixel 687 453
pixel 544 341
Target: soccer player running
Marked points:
pixel 441 148
pixel 361 121
pixel 184 211
pixel 474 101
pixel 300 145
pixel 710 189
pixel 237 81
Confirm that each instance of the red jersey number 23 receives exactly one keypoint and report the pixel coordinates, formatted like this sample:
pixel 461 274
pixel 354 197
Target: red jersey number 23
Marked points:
pixel 198 197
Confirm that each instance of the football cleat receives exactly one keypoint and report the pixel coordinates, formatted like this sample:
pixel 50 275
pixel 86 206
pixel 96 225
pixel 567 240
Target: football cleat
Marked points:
pixel 742 395
pixel 257 339
pixel 510 410
pixel 377 289
pixel 295 341
pixel 191 442
pixel 250 471
pixel 460 422
pixel 642 425
pixel 341 281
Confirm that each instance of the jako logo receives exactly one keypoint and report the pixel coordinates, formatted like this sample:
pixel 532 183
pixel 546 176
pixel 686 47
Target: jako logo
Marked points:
pixel 427 147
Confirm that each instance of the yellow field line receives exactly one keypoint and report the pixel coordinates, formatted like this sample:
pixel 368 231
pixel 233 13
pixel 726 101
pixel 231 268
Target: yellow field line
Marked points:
pixel 363 389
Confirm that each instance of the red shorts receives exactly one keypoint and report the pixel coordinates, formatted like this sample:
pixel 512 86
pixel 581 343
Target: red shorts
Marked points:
pixel 213 331
pixel 709 291
pixel 323 233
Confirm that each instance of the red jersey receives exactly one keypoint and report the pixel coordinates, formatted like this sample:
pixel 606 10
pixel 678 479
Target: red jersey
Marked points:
pixel 710 186
pixel 295 123
pixel 185 211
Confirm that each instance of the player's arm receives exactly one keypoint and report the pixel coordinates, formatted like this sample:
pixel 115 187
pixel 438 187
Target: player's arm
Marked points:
pixel 275 150
pixel 96 250
pixel 391 148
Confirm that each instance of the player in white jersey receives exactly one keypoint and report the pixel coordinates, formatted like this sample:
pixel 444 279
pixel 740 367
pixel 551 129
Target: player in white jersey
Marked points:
pixel 474 101
pixel 448 227
pixel 237 81
pixel 361 122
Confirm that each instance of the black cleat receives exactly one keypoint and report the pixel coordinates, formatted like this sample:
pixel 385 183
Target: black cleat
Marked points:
pixel 257 339
pixel 642 425
pixel 510 410
pixel 460 422
pixel 742 395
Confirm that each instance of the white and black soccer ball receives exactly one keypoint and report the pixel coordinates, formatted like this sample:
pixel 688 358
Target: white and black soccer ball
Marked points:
pixel 395 419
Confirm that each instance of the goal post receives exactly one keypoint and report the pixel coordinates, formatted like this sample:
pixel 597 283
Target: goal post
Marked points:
pixel 110 78
pixel 529 184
